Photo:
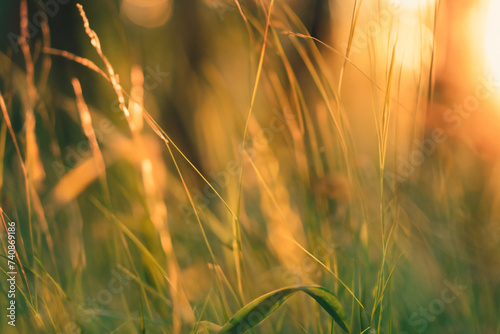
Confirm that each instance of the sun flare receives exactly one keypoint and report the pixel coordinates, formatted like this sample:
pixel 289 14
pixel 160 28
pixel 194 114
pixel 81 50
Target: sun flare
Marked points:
pixel 492 39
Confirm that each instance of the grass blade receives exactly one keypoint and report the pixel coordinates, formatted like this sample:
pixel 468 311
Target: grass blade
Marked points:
pixel 258 310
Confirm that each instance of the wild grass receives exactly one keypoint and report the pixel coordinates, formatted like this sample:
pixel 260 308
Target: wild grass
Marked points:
pixel 246 192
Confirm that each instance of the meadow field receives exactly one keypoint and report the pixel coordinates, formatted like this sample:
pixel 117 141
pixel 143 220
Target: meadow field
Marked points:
pixel 250 166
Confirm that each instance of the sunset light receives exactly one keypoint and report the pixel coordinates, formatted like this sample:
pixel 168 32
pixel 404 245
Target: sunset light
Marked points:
pixel 492 39
pixel 250 166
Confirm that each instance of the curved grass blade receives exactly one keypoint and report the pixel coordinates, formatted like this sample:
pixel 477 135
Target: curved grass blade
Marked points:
pixel 258 310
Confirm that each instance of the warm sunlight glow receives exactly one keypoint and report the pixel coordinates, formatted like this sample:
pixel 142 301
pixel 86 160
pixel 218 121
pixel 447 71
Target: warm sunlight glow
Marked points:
pixel 492 39
pixel 410 4
pixel 414 44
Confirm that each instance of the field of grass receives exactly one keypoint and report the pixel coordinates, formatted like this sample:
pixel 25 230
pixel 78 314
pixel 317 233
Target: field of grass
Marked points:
pixel 258 166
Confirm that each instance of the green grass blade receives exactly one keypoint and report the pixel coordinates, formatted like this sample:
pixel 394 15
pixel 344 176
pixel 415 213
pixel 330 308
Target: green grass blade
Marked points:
pixel 258 310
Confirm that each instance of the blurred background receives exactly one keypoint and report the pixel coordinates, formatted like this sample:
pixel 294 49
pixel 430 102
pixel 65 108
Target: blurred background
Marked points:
pixel 167 162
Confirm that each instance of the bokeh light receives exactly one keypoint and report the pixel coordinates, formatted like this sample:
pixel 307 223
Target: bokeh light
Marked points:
pixel 147 13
